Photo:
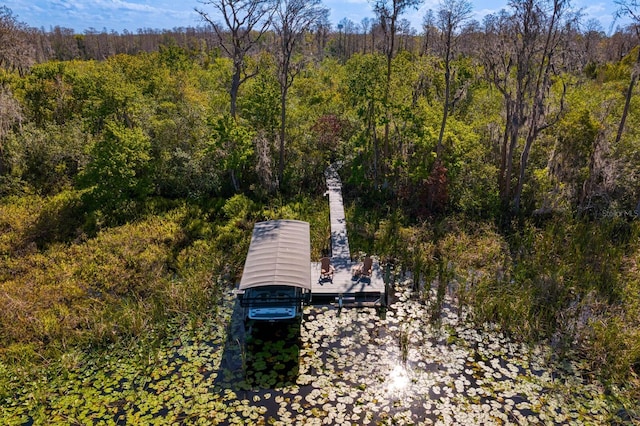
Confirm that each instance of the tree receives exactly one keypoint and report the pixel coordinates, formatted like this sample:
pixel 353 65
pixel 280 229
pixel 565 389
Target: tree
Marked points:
pixel 521 60
pixel 544 69
pixel 322 33
pixel 630 9
pixel 15 51
pixel 429 28
pixel 365 83
pixel 65 47
pixel 118 174
pixel 407 35
pixel 388 13
pixel 246 21
pixel 366 23
pixel 347 44
pixel 10 115
pixel 592 37
pixel 451 14
pixel 291 20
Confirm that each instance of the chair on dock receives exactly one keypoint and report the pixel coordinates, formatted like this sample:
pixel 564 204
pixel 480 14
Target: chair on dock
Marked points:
pixel 364 269
pixel 326 269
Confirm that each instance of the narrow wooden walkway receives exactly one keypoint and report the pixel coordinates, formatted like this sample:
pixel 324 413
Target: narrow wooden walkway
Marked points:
pixel 339 241
pixel 344 287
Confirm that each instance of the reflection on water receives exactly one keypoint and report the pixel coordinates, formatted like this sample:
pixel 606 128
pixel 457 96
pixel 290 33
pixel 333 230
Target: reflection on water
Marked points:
pixel 272 354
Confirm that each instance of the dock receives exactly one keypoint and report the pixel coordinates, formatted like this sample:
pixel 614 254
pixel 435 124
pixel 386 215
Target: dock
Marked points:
pixel 345 288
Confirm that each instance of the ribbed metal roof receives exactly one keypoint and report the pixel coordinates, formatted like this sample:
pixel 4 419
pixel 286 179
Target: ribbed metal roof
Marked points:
pixel 279 254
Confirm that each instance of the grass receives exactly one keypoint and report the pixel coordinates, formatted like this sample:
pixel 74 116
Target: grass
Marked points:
pixel 72 289
pixel 122 283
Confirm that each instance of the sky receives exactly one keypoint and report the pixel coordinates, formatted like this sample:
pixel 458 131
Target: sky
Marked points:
pixel 132 15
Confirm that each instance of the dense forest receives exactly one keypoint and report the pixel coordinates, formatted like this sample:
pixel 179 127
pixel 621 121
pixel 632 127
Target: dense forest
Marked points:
pixel 495 161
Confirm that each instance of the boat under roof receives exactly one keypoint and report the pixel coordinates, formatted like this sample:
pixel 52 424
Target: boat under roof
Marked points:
pixel 279 254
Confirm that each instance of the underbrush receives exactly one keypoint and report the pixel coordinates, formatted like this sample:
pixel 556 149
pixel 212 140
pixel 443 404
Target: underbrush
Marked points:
pixel 122 283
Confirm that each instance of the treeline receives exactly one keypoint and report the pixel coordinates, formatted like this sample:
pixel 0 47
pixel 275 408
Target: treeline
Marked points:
pixel 24 45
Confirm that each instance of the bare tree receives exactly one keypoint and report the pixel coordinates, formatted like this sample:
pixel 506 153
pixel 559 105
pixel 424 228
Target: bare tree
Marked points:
pixel 631 9
pixel 521 60
pixel 322 30
pixel 593 35
pixel 470 39
pixel 291 20
pixel 429 30
pixel 366 24
pixel 16 53
pixel 350 36
pixel 246 21
pixel 407 35
pixel 451 14
pixel 555 22
pixel 10 115
pixel 342 37
pixel 64 45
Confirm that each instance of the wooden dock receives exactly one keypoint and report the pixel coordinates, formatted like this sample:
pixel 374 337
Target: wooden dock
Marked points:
pixel 345 288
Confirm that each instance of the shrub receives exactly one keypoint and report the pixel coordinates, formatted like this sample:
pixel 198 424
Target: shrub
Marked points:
pixel 117 178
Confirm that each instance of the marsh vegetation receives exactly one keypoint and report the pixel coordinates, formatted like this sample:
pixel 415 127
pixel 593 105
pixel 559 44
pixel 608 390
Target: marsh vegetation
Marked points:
pixel 129 187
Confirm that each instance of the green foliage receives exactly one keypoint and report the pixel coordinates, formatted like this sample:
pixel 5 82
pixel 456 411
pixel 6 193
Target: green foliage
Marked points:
pixel 231 145
pixel 18 216
pixel 318 89
pixel 50 157
pixel 318 130
pixel 48 93
pixel 573 154
pixel 364 86
pixel 260 101
pixel 405 70
pixel 117 177
pixel 239 208
pixel 174 57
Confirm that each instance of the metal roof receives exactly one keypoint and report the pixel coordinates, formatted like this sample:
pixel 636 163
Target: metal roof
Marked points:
pixel 279 254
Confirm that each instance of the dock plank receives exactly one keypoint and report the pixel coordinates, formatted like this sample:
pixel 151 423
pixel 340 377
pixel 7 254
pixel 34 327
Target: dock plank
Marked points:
pixel 339 240
pixel 344 282
pixel 361 291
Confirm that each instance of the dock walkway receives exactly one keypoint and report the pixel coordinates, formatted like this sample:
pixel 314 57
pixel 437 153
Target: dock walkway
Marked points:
pixel 345 288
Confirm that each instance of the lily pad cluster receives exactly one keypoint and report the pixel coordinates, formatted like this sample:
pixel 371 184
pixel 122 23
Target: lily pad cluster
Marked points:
pixel 349 366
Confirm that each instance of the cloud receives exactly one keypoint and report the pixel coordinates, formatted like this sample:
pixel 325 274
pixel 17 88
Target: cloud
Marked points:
pixel 117 15
pixel 131 15
pixel 125 6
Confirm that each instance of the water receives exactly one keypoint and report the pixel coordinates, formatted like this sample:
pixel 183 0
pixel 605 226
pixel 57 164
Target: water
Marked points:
pixel 352 366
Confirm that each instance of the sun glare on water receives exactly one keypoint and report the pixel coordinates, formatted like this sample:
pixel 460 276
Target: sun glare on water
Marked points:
pixel 398 379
